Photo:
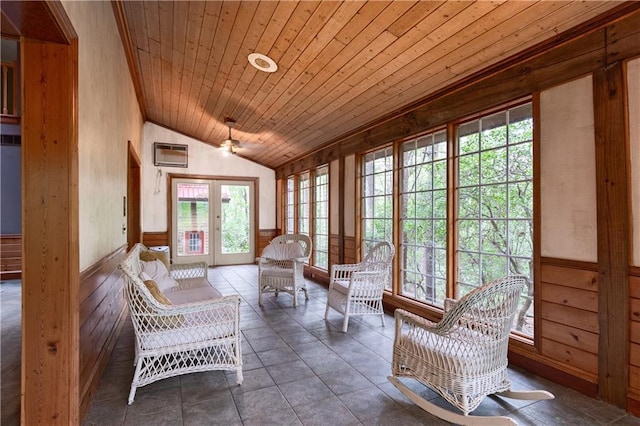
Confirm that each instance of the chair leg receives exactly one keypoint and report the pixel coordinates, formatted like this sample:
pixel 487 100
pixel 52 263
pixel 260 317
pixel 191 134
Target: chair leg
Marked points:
pixel 345 323
pixel 382 318
pixel 447 415
pixel 136 374
pixel 239 377
pixel 326 311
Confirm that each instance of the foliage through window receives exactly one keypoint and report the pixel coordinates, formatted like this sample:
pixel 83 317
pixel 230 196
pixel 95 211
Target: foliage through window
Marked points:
pixel 423 221
pixel 321 218
pixel 290 224
pixel 495 203
pixel 303 204
pixel 377 198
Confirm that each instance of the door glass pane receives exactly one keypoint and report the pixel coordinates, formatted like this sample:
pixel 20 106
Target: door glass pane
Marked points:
pixel 193 219
pixel 234 220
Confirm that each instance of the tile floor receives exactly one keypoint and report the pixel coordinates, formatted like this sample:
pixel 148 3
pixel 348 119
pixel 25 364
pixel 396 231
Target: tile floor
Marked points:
pixel 298 369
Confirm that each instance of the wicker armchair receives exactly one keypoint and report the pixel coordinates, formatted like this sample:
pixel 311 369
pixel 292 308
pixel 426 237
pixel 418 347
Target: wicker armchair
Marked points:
pixel 174 339
pixel 281 266
pixel 357 289
pixel 464 356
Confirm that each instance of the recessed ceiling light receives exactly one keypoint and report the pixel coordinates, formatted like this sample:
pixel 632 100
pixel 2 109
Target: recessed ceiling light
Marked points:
pixel 263 62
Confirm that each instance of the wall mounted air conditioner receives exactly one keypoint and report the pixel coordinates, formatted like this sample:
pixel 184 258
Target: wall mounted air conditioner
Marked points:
pixel 170 154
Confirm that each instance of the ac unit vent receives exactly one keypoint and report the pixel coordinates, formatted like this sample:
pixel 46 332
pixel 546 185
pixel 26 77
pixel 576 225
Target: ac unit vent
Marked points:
pixel 170 154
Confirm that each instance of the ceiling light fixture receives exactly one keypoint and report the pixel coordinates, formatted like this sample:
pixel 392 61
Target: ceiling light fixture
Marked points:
pixel 228 145
pixel 262 62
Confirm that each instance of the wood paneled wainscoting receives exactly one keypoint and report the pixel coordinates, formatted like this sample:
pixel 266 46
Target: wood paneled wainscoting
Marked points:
pixel 633 397
pixel 568 330
pixel 151 239
pixel 10 257
pixel 102 315
pixel 264 238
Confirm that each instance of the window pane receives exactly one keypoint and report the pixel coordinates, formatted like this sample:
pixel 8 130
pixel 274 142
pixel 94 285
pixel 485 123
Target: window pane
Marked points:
pixel 377 201
pixel 321 218
pixel 495 202
pixel 493 166
pixel 423 240
pixel 469 170
pixel 193 219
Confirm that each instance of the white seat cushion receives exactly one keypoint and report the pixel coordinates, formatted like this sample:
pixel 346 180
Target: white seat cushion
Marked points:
pixel 341 286
pixel 196 294
pixel 278 273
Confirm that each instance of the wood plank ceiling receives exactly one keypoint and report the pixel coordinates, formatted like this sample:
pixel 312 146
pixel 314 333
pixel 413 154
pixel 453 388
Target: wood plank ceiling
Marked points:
pixel 341 65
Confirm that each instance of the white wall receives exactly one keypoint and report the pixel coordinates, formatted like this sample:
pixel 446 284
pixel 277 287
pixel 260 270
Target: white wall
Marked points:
pixel 108 117
pixel 568 172
pixel 633 84
pixel 204 159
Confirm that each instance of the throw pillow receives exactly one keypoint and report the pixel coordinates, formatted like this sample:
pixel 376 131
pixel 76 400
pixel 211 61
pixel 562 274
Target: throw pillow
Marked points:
pixel 149 256
pixel 156 271
pixel 167 321
pixel 283 251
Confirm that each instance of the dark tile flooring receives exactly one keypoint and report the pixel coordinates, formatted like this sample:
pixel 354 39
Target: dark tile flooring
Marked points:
pixel 298 369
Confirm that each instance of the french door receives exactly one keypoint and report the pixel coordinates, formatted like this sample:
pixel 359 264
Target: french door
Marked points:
pixel 212 221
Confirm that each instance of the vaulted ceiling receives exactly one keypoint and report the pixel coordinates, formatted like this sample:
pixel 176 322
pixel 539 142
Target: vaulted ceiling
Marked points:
pixel 341 65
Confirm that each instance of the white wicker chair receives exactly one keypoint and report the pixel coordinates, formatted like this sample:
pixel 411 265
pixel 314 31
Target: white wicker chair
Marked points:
pixel 357 289
pixel 171 340
pixel 464 356
pixel 280 274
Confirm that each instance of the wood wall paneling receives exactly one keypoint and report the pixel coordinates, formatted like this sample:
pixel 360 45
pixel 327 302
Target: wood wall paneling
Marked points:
pixel 151 239
pixel 633 397
pixel 102 314
pixel 264 238
pixel 10 257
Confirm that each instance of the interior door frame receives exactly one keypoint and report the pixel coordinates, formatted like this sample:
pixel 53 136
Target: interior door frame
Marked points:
pixel 132 203
pixel 256 196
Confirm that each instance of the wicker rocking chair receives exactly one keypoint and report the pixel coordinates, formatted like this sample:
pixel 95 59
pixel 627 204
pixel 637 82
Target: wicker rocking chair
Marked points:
pixel 357 289
pixel 464 356
pixel 281 266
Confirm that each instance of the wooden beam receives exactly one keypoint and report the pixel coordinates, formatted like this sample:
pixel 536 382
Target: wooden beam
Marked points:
pixel 50 315
pixel 612 179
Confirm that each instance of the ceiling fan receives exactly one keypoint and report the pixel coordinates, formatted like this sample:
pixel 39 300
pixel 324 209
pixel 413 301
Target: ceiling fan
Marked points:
pixel 229 145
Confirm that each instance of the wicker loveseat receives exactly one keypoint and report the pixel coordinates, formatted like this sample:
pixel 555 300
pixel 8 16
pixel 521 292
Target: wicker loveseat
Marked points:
pixel 188 328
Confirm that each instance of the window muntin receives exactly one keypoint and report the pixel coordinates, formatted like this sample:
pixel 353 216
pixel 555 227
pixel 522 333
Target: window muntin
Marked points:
pixel 495 203
pixel 423 222
pixel 303 203
pixel 290 223
pixel 377 198
pixel 321 218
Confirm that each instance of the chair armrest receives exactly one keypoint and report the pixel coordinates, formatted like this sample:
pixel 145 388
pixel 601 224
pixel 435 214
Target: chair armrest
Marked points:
pixel 189 270
pixel 405 319
pixel 368 283
pixel 449 304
